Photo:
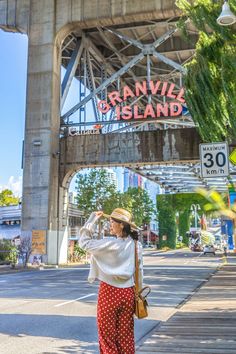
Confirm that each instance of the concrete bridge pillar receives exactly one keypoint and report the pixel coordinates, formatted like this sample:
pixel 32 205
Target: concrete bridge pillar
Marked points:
pixel 41 160
pixel 47 23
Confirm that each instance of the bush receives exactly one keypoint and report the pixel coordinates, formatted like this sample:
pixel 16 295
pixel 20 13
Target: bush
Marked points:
pixel 5 249
pixel 25 249
pixel 180 245
pixel 78 253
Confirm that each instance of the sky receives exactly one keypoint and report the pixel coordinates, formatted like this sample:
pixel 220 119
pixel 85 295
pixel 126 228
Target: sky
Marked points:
pixel 13 72
pixel 13 69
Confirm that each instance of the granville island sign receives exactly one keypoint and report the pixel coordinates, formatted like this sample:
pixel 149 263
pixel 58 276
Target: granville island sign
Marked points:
pixel 117 99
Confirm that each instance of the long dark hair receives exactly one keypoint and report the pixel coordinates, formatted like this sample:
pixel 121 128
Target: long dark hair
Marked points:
pixel 127 230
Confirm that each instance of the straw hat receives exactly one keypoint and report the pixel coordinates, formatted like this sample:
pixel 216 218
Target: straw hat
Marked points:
pixel 123 216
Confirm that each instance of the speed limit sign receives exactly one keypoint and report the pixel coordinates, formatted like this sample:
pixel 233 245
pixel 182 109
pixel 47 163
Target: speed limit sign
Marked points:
pixel 214 160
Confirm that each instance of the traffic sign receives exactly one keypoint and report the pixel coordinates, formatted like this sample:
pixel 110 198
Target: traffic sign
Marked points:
pixel 214 160
pixel 232 157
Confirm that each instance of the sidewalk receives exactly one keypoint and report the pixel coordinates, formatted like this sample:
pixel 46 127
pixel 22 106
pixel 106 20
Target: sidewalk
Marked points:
pixel 206 323
pixel 7 268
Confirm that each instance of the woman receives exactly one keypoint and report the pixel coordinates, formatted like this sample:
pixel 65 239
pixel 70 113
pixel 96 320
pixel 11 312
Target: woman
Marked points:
pixel 113 263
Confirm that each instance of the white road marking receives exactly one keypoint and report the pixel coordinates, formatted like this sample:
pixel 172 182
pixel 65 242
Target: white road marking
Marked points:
pixel 78 298
pixel 167 267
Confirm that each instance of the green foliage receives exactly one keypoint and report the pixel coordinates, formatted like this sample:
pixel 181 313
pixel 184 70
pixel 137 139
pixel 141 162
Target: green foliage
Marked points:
pixel 166 219
pixel 8 252
pixel 5 248
pixel 138 202
pixel 210 81
pixel 184 224
pixel 168 205
pixel 216 203
pixel 95 191
pixel 7 198
pixel 78 253
pixel 182 202
pixel 180 245
pixel 13 255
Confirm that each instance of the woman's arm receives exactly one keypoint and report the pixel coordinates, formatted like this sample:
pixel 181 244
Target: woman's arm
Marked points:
pixel 86 241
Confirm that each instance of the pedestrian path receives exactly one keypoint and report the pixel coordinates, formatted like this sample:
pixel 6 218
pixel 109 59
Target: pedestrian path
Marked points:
pixel 204 324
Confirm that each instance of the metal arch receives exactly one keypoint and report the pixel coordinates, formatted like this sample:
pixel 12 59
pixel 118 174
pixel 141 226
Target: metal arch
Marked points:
pixel 172 178
pixel 70 72
pixel 120 72
pixel 146 50
pixel 170 62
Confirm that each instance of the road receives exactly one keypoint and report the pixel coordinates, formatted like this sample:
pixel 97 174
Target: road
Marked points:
pixel 54 311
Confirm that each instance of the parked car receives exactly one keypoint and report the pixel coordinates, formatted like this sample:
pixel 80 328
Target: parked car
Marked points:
pixel 215 222
pixel 209 249
pixel 145 245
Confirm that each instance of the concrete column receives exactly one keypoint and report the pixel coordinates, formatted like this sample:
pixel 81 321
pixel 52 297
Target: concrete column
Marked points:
pixel 41 195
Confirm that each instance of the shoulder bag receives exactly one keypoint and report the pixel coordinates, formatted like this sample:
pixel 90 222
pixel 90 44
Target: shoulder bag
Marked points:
pixel 140 295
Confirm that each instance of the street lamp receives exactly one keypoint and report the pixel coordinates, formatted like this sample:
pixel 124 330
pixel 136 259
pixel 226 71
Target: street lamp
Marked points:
pixel 227 17
pixel 194 208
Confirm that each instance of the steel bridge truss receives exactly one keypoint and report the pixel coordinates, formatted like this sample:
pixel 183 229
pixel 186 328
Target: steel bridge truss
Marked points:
pixel 106 59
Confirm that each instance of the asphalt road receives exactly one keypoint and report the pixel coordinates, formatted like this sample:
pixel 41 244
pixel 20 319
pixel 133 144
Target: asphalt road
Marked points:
pixel 54 311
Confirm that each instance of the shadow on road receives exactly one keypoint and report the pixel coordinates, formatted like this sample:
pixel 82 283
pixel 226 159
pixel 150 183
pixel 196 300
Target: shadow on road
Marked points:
pixel 75 328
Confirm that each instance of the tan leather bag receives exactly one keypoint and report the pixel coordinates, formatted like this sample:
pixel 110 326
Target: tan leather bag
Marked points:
pixel 140 295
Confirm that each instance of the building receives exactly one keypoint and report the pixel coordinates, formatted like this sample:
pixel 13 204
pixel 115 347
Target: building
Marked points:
pixel 10 221
pixel 153 189
pixel 112 177
pixel 132 180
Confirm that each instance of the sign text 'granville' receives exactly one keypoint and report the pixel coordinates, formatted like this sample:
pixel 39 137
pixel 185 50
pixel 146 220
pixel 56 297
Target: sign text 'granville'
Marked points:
pixel 159 88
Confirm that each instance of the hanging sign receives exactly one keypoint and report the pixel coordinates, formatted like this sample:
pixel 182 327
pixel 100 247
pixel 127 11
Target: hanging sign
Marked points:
pixel 74 132
pixel 126 112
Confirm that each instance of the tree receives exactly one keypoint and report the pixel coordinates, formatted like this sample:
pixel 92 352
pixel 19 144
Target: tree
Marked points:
pixel 25 249
pixel 184 224
pixel 218 204
pixel 96 191
pixel 7 198
pixel 5 249
pixel 138 202
pixel 168 205
pixel 210 81
pixel 182 203
pixel 166 219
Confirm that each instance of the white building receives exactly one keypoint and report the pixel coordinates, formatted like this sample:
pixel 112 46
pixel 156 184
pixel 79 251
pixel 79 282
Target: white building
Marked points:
pixel 112 177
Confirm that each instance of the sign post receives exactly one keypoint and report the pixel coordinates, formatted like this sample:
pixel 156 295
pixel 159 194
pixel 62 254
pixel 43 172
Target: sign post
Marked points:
pixel 214 160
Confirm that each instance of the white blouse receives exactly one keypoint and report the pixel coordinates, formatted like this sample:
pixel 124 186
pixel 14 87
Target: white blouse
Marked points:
pixel 112 259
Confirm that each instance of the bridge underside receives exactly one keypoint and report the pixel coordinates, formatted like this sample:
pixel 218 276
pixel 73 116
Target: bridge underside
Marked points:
pixel 100 46
pixel 129 149
pixel 169 158
pixel 107 58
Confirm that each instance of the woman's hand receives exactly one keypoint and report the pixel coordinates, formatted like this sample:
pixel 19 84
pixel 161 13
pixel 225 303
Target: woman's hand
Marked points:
pixel 95 216
pixel 99 213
